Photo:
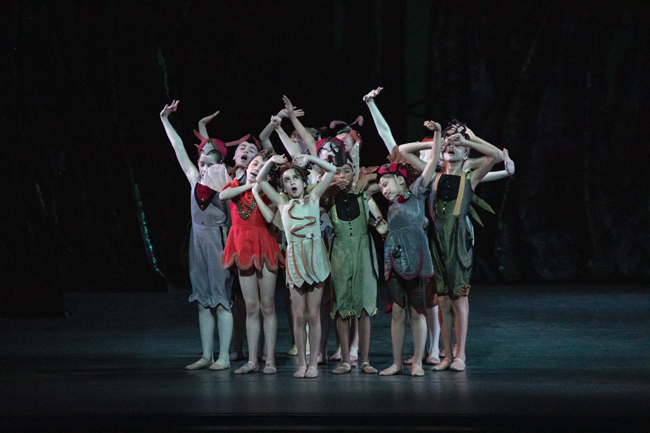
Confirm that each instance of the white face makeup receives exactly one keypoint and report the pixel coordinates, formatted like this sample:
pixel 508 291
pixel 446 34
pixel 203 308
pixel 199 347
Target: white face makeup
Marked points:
pixel 293 183
pixel 453 152
pixel 325 152
pixel 253 169
pixel 206 161
pixel 244 153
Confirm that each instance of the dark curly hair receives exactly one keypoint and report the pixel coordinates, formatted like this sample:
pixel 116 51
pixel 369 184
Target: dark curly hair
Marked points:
pixel 302 172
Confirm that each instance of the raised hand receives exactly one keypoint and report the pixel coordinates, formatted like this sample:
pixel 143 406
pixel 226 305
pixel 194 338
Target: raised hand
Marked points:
pixel 283 114
pixel 276 121
pixel 509 163
pixel 169 109
pixel 301 160
pixel 278 159
pixel 372 95
pixel 289 107
pixel 206 119
pixel 256 188
pixel 432 126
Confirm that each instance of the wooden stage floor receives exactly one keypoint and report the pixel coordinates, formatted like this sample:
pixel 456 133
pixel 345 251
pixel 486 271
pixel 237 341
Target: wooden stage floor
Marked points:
pixel 539 358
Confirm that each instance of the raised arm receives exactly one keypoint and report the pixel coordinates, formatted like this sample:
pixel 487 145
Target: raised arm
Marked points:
pixel 501 174
pixel 430 169
pixel 263 175
pixel 329 172
pixel 304 134
pixel 265 135
pixel 292 147
pixel 203 130
pixel 410 151
pixel 492 156
pixel 190 170
pixel 235 191
pixel 381 124
pixel 266 211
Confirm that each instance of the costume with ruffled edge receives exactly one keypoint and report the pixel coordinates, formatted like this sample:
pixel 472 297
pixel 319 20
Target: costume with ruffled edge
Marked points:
pixel 249 242
pixel 306 260
pixel 211 283
pixel 451 237
pixel 353 258
pixel 406 249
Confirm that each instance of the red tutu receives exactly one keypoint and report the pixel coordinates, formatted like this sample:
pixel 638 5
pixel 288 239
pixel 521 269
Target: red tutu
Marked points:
pixel 249 242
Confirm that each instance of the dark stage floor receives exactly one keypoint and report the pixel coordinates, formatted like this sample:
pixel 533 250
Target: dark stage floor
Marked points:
pixel 540 358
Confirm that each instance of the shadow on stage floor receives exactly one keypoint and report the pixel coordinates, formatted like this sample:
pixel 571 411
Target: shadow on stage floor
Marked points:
pixel 539 358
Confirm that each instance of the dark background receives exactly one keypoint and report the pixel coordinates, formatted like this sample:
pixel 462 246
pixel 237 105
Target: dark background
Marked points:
pixel 93 198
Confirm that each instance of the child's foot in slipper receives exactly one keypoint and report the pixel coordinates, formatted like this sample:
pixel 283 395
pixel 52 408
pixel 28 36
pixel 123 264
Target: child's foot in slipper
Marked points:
pixel 220 365
pixel 344 367
pixel 442 365
pixel 201 363
pixel 311 372
pixel 293 351
pixel 393 370
pixel 249 367
pixel 408 361
pixel 457 365
pixel 269 368
pixel 300 373
pixel 337 355
pixel 367 368
pixel 416 370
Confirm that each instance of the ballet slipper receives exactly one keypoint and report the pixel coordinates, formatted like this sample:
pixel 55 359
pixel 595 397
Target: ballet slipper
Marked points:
pixel 432 360
pixel 344 367
pixel 416 370
pixel 442 365
pixel 217 366
pixel 457 365
pixel 442 353
pixel 301 372
pixel 311 372
pixel 269 368
pixel 201 363
pixel 293 351
pixel 391 371
pixel 367 368
pixel 408 361
pixel 320 360
pixel 249 367
pixel 337 355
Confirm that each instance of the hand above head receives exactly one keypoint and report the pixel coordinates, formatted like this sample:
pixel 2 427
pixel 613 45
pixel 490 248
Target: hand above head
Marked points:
pixel 289 107
pixel 278 159
pixel 301 160
pixel 509 163
pixel 169 109
pixel 276 121
pixel 372 95
pixel 207 119
pixel 283 114
pixel 432 126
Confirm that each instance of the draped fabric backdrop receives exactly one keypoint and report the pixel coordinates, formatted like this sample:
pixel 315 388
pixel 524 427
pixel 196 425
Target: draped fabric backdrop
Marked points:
pixel 93 198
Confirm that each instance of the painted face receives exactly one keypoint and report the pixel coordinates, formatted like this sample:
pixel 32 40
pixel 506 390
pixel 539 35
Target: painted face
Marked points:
pixel 293 183
pixel 347 139
pixel 254 168
pixel 206 161
pixel 390 188
pixel 325 152
pixel 344 173
pixel 244 153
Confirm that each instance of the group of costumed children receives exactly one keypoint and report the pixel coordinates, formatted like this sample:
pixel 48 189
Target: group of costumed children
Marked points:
pixel 310 216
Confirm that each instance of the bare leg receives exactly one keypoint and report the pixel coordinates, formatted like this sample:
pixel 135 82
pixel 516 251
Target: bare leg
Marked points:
pixel 206 329
pixel 460 307
pixel 267 300
pixel 397 331
pixel 299 304
pixel 250 291
pixel 343 327
pixel 419 325
pixel 354 336
pixel 364 343
pixel 446 313
pixel 313 317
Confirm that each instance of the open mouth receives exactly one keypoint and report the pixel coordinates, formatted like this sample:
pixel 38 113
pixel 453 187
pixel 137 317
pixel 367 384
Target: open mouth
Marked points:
pixel 244 158
pixel 294 190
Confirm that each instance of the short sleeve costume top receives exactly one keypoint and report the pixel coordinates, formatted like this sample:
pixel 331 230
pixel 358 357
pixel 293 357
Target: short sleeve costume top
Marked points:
pixel 406 250
pixel 306 260
pixel 249 242
pixel 211 284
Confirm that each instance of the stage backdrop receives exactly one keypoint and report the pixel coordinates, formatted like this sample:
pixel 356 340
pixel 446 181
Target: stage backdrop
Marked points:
pixel 93 198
